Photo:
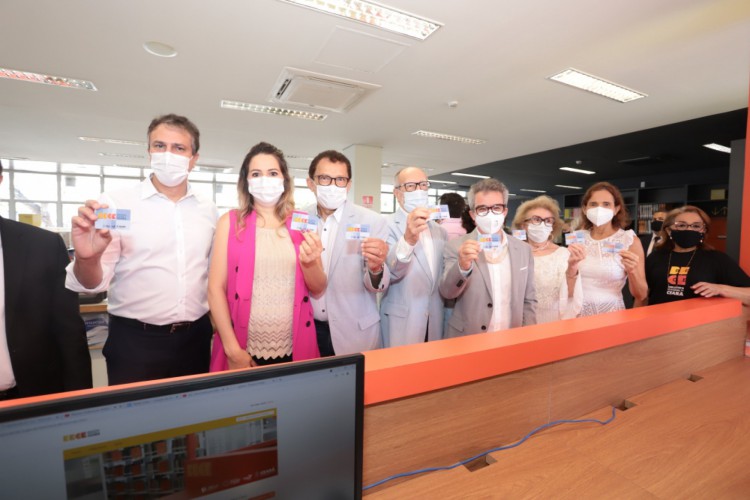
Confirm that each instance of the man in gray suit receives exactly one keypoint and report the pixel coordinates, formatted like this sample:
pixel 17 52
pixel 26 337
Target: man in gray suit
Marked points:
pixel 412 309
pixel 492 281
pixel 346 313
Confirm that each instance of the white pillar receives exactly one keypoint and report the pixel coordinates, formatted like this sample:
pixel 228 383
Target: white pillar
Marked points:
pixel 366 175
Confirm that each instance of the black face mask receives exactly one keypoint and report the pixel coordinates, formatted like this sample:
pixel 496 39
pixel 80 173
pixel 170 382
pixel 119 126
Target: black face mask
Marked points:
pixel 656 225
pixel 687 238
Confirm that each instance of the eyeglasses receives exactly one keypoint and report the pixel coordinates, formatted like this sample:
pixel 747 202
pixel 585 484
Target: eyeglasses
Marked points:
pixel 681 226
pixel 483 210
pixel 412 186
pixel 536 220
pixel 325 180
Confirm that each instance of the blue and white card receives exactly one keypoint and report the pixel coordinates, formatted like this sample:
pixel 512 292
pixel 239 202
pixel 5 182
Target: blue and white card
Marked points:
pixel 489 241
pixel 110 218
pixel 357 231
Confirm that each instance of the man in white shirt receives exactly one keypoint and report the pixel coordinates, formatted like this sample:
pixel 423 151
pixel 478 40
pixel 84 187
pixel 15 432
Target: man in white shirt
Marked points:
pixel 346 313
pixel 156 270
pixel 412 309
pixel 43 346
pixel 494 286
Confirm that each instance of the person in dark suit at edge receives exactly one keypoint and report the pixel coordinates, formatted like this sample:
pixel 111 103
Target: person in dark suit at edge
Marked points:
pixel 43 346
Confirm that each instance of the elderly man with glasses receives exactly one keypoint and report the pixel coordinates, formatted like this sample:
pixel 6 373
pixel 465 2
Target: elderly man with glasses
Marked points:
pixel 412 310
pixel 346 313
pixel 490 275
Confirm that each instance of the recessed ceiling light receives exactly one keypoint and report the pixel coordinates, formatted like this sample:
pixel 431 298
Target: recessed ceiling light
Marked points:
pixel 159 49
pixel 374 14
pixel 718 147
pixel 568 187
pixel 447 137
pixel 590 83
pixel 443 182
pixel 272 110
pixel 578 170
pixel 121 155
pixel 59 81
pixel 533 190
pixel 470 175
pixel 113 141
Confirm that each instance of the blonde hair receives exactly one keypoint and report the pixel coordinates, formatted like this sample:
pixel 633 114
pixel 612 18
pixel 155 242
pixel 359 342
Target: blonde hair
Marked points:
pixel 544 202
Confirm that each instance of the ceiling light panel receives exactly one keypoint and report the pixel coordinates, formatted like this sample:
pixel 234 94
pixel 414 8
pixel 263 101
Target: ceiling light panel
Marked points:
pixel 447 137
pixel 377 15
pixel 443 182
pixel 58 81
pixel 272 110
pixel 113 141
pixel 121 155
pixel 568 187
pixel 533 190
pixel 596 85
pixel 460 174
pixel 577 170
pixel 718 147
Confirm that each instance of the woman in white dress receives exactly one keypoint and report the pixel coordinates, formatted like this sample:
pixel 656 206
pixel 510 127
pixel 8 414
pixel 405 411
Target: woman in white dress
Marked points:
pixel 613 255
pixel 558 289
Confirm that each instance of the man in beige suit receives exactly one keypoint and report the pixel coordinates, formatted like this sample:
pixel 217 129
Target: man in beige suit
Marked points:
pixel 492 281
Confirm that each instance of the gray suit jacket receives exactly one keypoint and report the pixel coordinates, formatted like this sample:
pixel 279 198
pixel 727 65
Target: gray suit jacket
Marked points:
pixel 412 297
pixel 473 294
pixel 351 299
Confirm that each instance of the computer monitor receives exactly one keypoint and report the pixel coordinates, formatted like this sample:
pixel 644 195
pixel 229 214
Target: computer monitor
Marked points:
pixel 287 431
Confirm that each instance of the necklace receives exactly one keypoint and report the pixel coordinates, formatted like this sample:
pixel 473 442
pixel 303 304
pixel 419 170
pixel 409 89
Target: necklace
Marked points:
pixel 539 249
pixel 669 262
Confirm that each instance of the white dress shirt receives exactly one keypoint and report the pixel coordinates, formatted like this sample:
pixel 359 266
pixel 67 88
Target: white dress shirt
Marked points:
pixel 498 264
pixel 328 230
pixel 157 271
pixel 405 251
pixel 7 378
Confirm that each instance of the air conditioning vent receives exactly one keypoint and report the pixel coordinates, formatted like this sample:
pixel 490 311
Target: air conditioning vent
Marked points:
pixel 314 90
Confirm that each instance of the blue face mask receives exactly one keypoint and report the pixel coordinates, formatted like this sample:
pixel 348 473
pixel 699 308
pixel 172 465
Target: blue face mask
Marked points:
pixel 414 199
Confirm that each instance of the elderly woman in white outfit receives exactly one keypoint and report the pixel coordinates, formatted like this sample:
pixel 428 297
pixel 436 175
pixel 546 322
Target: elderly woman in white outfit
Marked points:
pixel 558 288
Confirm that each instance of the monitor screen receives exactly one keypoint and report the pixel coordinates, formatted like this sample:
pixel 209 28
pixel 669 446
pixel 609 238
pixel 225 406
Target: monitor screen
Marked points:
pixel 287 431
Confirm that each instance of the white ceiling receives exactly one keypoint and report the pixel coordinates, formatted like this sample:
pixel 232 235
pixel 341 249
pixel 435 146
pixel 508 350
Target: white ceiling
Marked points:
pixel 491 56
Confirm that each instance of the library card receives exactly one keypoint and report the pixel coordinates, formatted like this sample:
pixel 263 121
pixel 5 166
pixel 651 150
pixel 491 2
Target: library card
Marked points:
pixel 299 220
pixel 520 234
pixel 489 241
pixel 439 212
pixel 357 231
pixel 110 218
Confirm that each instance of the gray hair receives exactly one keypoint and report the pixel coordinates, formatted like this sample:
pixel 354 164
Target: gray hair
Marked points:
pixel 487 185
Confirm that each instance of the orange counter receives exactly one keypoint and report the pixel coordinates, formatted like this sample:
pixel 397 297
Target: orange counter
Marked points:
pixel 409 370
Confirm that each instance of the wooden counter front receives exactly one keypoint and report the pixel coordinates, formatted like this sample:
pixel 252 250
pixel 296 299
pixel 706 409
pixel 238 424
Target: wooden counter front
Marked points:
pixel 438 403
pixel 684 439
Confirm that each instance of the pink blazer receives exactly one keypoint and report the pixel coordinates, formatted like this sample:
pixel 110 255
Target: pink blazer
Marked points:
pixel 240 272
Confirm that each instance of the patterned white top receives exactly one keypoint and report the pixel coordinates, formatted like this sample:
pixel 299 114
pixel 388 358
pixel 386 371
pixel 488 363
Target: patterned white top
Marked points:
pixel 553 303
pixel 270 327
pixel 602 274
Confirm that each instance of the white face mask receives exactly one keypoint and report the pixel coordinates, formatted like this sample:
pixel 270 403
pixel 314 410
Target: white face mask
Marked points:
pixel 331 197
pixel 169 168
pixel 538 233
pixel 266 190
pixel 414 199
pixel 490 223
pixel 599 215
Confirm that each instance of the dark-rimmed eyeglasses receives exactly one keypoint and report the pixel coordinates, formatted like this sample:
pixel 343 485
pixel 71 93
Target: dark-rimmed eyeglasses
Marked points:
pixel 483 210
pixel 682 226
pixel 325 180
pixel 412 186
pixel 536 220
